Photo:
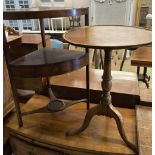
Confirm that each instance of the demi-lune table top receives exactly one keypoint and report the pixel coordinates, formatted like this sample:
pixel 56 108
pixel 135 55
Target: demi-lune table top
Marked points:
pixel 114 37
pixel 43 12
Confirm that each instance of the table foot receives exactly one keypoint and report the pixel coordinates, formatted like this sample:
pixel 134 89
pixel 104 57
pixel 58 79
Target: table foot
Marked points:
pixel 90 113
pixel 104 110
pixel 119 121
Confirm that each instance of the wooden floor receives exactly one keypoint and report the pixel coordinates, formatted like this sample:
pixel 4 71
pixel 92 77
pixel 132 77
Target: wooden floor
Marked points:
pixel 101 137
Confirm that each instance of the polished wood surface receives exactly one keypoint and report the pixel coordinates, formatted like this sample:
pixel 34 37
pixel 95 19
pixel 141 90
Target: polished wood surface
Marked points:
pixel 144 128
pixel 44 70
pixel 49 130
pixel 47 62
pixel 125 90
pixel 142 57
pixel 28 43
pixel 107 37
pixel 43 12
pixel 114 37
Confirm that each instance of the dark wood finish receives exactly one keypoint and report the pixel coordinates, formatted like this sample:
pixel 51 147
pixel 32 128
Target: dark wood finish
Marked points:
pixel 125 90
pixel 87 66
pixel 28 66
pixel 49 133
pixel 142 57
pixel 47 62
pixel 123 60
pixel 26 44
pixel 106 37
pixel 43 12
pixel 143 77
pixel 144 129
pixel 12 82
pixel 29 43
pixel 8 104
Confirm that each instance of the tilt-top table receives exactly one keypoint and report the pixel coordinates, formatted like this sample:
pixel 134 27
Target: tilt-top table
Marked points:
pixel 107 38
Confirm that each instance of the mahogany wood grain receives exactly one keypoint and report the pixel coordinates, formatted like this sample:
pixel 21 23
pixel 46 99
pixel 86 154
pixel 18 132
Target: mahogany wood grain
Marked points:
pixel 28 43
pixel 47 62
pixel 142 57
pixel 8 104
pixel 114 37
pixel 49 133
pixel 43 12
pixel 107 37
pixel 42 69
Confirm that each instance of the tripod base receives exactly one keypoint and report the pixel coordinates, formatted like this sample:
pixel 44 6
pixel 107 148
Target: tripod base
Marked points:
pixel 105 110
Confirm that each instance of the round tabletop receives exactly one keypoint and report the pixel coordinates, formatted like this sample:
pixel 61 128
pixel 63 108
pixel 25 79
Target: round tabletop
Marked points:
pixel 114 37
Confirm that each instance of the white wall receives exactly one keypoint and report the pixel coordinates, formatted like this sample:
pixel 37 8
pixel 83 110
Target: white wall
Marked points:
pixel 117 13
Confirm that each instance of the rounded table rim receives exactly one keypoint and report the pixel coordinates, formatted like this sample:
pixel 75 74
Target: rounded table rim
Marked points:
pixel 102 46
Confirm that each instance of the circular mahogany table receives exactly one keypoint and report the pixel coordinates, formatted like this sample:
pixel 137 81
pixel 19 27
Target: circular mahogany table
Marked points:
pixel 107 38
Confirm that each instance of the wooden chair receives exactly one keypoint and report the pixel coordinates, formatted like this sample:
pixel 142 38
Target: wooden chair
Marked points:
pixel 142 57
pixel 44 62
pixel 98 59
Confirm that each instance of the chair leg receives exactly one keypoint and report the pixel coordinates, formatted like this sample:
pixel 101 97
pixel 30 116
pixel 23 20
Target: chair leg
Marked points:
pixel 93 59
pixel 146 78
pixel 138 70
pixel 102 60
pixel 124 57
pixel 87 83
pixel 143 77
pixel 97 59
pixel 16 101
